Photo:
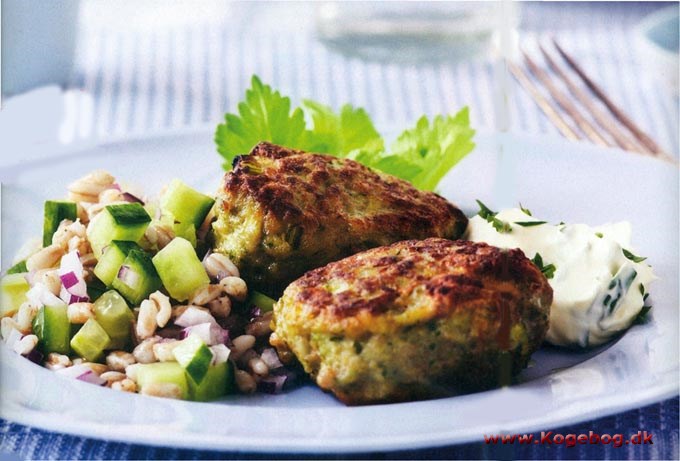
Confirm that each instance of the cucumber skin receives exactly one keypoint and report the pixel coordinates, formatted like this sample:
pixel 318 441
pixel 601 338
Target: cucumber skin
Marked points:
pixel 180 269
pixel 55 212
pixel 112 258
pixel 185 203
pixel 195 357
pixel 218 382
pixel 140 261
pixel 18 268
pixel 104 228
pixel 53 329
pixel 93 333
pixel 128 214
pixel 262 301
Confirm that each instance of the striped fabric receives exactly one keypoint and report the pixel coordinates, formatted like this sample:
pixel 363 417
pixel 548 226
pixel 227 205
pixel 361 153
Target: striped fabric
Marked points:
pixel 152 66
pixel 150 69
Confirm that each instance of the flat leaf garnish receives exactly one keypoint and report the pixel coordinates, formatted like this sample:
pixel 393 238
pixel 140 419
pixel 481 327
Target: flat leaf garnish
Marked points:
pixel 490 216
pixel 340 134
pixel 632 257
pixel 435 147
pixel 526 211
pixel 421 155
pixel 265 115
pixel 548 270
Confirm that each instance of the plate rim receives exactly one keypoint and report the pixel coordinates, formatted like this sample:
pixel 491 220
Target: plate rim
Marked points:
pixel 38 419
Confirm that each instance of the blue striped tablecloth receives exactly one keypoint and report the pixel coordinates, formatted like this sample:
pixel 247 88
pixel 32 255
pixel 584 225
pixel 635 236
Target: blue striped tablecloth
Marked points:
pixel 143 68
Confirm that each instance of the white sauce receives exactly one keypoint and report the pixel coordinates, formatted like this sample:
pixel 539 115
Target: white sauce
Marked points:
pixel 591 275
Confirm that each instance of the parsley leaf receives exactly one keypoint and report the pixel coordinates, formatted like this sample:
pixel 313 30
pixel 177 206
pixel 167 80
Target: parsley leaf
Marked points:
pixel 632 257
pixel 490 216
pixel 548 270
pixel 599 235
pixel 265 115
pixel 530 223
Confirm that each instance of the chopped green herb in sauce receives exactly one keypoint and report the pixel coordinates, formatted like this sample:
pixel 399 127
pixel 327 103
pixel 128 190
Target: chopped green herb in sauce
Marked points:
pixel 490 216
pixel 547 269
pixel 530 223
pixel 632 257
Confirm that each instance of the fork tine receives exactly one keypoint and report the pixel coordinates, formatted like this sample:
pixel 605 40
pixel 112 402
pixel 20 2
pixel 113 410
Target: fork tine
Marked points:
pixel 565 103
pixel 600 117
pixel 613 108
pixel 544 104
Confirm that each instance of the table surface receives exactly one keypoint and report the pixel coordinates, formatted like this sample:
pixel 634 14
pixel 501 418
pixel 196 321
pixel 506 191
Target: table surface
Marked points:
pixel 139 71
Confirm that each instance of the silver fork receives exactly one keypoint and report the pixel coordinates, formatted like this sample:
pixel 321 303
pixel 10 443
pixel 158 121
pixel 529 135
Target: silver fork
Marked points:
pixel 611 128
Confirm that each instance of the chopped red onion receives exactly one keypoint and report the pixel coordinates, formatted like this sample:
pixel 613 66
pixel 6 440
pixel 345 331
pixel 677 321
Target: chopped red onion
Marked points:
pixel 74 288
pixel 128 276
pixel 128 197
pixel 194 316
pixel 272 384
pixel 40 295
pixel 210 333
pixel 220 354
pixel 92 378
pixel 82 372
pixel 69 279
pixel 70 298
pixel 115 186
pixel 255 312
pixel 271 358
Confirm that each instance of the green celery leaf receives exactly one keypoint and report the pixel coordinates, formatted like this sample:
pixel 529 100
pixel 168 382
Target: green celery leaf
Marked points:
pixel 340 134
pixel 265 115
pixel 435 147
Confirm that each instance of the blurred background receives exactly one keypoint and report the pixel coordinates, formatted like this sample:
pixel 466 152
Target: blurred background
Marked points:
pixel 130 68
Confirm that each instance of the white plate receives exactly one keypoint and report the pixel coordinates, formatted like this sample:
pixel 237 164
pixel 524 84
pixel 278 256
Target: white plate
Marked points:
pixel 557 180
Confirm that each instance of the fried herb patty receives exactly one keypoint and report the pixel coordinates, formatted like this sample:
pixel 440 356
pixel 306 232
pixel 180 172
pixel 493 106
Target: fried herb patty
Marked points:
pixel 282 212
pixel 407 320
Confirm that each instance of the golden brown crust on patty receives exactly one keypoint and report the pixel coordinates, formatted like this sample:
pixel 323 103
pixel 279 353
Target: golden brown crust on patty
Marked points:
pixel 459 304
pixel 312 209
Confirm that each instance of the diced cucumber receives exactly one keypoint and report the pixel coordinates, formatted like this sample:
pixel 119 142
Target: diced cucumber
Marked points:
pixel 13 289
pixel 162 372
pixel 52 328
pixel 180 269
pixel 137 277
pixel 117 222
pixel 194 356
pixel 95 289
pixel 218 382
pixel 115 317
pixel 90 341
pixel 261 301
pixel 186 230
pixel 111 259
pixel 186 204
pixel 18 268
pixel 55 212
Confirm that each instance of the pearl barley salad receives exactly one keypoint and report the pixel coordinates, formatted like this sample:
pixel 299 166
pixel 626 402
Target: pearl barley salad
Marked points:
pixel 124 293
